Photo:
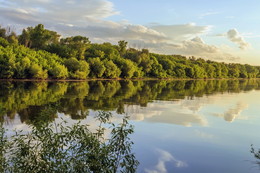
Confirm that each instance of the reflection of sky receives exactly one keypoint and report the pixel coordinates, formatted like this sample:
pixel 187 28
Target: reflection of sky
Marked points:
pixel 187 112
pixel 208 134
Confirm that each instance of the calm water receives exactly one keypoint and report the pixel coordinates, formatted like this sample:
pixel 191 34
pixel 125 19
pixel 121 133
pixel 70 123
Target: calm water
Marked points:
pixel 180 126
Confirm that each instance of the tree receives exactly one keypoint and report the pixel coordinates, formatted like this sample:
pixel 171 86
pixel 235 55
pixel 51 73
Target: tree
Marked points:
pixel 3 42
pixel 112 71
pixel 168 66
pixel 233 71
pixel 189 71
pixel 157 69
pixel 24 38
pixel 2 32
pixel 77 45
pixel 70 148
pixel 12 38
pixel 122 45
pixel 97 67
pixel 179 70
pixel 58 71
pixel 127 67
pixel 8 34
pixel 37 72
pixel 7 64
pixel 251 71
pixel 77 69
pixel 38 37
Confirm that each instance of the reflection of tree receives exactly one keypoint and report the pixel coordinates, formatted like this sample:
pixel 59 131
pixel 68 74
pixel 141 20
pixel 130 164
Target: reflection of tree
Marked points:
pixel 37 115
pixel 17 96
pixel 75 148
pixel 77 98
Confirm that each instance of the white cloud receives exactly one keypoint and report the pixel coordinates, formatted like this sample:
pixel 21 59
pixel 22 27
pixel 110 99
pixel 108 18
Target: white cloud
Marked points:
pixel 234 36
pixel 194 47
pixel 178 33
pixel 56 11
pixel 165 156
pixel 208 14
pixel 89 18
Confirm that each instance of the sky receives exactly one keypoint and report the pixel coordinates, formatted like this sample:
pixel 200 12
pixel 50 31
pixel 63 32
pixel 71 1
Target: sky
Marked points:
pixel 220 30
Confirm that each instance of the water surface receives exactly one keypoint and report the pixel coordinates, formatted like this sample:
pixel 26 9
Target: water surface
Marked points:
pixel 180 126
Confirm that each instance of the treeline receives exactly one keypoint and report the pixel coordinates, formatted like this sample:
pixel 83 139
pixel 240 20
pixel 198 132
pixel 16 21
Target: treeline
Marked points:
pixel 39 53
pixel 76 99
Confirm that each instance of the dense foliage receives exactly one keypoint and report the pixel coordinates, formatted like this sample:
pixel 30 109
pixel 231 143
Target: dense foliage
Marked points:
pixel 39 53
pixel 61 148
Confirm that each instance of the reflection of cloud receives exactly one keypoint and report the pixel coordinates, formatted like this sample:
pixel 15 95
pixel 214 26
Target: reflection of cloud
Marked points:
pixel 164 157
pixel 203 134
pixel 196 105
pixel 233 113
pixel 184 119
pixel 165 112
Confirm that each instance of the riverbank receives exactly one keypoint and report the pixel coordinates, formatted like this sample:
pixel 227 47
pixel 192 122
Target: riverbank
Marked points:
pixel 121 79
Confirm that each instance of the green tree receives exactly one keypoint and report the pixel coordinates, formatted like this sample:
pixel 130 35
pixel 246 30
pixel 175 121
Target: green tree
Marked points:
pixel 122 45
pixel 233 70
pixel 77 45
pixel 24 38
pixel 37 72
pixel 77 69
pixel 58 71
pixel 7 63
pixel 97 67
pixel 112 71
pixel 38 37
pixel 127 67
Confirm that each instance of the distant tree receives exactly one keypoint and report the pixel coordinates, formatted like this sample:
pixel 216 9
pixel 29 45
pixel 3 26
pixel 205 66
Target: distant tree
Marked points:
pixel 38 37
pixel 58 71
pixel 7 64
pixel 8 34
pixel 251 71
pixel 3 42
pixel 24 38
pixel 37 72
pixel 122 45
pixel 233 70
pixel 112 71
pixel 179 70
pixel 2 32
pixel 127 67
pixel 97 67
pixel 77 45
pixel 77 69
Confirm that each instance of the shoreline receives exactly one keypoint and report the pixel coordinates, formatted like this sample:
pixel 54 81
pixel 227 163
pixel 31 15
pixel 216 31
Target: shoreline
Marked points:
pixel 118 79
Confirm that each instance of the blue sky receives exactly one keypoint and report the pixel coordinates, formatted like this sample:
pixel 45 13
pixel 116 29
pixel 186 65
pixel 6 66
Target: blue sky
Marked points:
pixel 218 30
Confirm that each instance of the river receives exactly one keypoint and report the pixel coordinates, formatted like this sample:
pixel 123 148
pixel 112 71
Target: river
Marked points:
pixel 181 126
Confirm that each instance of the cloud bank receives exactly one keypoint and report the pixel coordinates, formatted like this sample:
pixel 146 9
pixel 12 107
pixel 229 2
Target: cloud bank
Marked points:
pixel 90 18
